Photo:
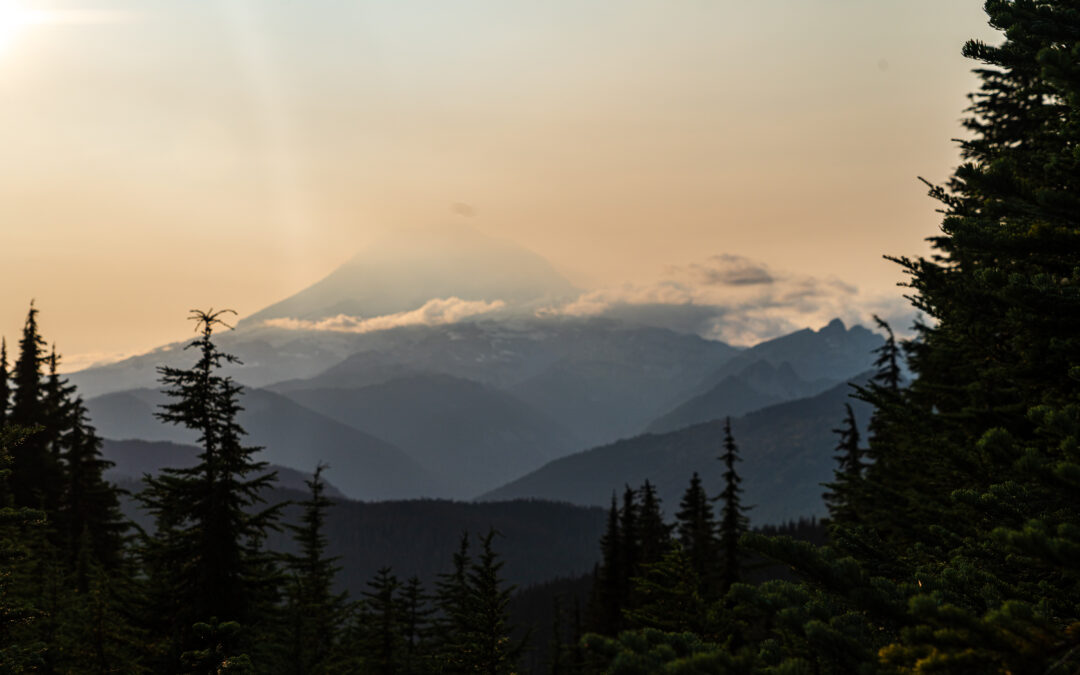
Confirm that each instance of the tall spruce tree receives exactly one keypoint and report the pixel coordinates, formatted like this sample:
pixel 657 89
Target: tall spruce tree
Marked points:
pixel 733 521
pixel 493 651
pixel 654 531
pixel 92 527
pixel 696 531
pixel 5 383
pixel 34 465
pixel 382 625
pixel 207 554
pixel 416 615
pixel 316 612
pixel 452 599
pixel 849 471
pixel 20 651
pixel 607 600
pixel 630 539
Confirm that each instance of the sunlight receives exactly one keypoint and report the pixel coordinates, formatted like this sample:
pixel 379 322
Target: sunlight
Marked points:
pixel 13 16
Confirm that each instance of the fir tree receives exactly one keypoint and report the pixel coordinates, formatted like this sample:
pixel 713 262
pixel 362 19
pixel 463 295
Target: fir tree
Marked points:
pixel 654 532
pixel 207 552
pixel 93 529
pixel 733 521
pixel 473 631
pixel 493 651
pixel 452 600
pixel 849 470
pixel 696 531
pixel 607 600
pixel 381 618
pixel 316 612
pixel 415 625
pixel 5 383
pixel 33 462
pixel 18 613
pixel 630 538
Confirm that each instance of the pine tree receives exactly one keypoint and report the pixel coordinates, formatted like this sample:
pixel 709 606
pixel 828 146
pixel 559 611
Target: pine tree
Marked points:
pixel 207 552
pixel 415 625
pixel 696 531
pixel 315 611
pixel 5 383
pixel 452 599
pixel 18 614
pixel 655 533
pixel 36 469
pixel 630 538
pixel 493 651
pixel 473 631
pixel 606 602
pixel 384 643
pixel 849 471
pixel 733 521
pixel 92 527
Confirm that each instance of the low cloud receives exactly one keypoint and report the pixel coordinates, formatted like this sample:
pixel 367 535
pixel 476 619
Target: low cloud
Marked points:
pixel 731 270
pixel 737 300
pixel 436 312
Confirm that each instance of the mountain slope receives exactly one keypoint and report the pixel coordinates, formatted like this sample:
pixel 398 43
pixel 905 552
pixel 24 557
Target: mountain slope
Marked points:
pixel 403 271
pixel 132 459
pixel 787 451
pixel 361 465
pixel 473 436
pixel 831 353
pixel 758 385
pixel 731 397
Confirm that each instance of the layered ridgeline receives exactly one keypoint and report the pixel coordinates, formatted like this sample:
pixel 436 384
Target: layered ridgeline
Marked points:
pixel 424 367
pixel 786 450
pixel 390 425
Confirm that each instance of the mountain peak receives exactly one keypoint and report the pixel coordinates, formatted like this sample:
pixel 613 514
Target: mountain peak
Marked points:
pixel 834 326
pixel 403 270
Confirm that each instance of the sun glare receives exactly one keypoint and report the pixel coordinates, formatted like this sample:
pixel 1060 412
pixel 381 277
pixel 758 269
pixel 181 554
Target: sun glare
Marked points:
pixel 13 16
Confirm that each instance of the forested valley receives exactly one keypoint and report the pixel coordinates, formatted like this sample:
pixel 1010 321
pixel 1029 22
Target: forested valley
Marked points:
pixel 952 543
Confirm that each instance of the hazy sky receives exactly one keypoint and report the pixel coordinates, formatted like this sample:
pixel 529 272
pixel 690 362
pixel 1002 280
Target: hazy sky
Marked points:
pixel 158 155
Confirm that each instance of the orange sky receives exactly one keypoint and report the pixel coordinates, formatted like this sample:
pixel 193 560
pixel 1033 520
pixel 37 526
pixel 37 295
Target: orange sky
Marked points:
pixel 159 155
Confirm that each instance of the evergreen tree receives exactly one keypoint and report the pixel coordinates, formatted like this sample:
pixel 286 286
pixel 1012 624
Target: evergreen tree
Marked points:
pixel 382 621
pixel 669 595
pixel 473 631
pixel 606 602
pixel 630 538
pixel 5 383
pixel 415 625
pixel 33 463
pixel 452 600
pixel 733 521
pixel 93 529
pixel 18 613
pixel 315 611
pixel 655 533
pixel 696 531
pixel 492 650
pixel 207 552
pixel 849 471
pixel 888 373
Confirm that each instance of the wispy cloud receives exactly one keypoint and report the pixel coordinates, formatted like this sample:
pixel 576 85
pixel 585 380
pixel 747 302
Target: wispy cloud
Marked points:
pixel 735 299
pixel 435 312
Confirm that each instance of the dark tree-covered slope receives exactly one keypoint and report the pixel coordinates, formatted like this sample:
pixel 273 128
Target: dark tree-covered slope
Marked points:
pixel 474 436
pixel 133 458
pixel 361 465
pixel 787 449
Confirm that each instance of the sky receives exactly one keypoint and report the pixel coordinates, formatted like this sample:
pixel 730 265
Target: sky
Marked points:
pixel 159 155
